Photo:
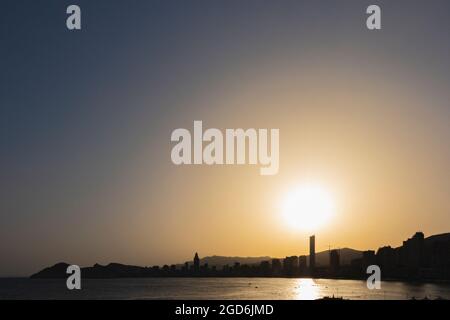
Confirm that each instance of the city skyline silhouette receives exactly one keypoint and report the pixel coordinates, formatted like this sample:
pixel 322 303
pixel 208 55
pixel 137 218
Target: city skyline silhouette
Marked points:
pixel 418 259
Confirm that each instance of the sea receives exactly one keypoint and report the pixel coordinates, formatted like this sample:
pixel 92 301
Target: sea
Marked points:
pixel 218 288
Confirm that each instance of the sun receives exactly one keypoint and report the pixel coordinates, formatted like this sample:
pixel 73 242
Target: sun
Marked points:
pixel 308 207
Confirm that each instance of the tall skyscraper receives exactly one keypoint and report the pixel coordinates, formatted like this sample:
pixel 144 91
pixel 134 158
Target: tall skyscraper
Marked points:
pixel 302 263
pixel 196 262
pixel 312 252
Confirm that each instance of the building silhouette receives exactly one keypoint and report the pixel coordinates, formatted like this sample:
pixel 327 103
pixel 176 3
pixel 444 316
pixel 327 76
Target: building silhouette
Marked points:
pixel 312 253
pixel 387 259
pixel 276 266
pixel 290 265
pixel 411 253
pixel 265 269
pixel 418 258
pixel 334 261
pixel 196 262
pixel 302 266
pixel 368 259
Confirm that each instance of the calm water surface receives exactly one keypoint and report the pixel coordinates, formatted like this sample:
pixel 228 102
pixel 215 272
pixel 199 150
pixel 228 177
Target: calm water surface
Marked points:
pixel 215 288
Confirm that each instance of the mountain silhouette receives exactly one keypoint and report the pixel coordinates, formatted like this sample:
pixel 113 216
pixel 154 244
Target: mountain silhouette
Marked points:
pixel 112 270
pixel 346 256
pixel 56 271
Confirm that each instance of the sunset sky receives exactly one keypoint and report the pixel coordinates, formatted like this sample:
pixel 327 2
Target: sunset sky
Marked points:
pixel 86 118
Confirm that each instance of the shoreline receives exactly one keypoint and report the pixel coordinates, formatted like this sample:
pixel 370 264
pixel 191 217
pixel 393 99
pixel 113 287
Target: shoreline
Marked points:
pixel 408 281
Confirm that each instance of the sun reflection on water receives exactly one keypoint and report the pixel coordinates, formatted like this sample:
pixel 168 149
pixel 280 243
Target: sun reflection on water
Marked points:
pixel 307 289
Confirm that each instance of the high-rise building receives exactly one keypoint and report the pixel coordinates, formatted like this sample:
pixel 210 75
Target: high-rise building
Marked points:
pixel 302 263
pixel 290 265
pixel 265 267
pixel 411 253
pixel 368 258
pixel 196 262
pixel 312 252
pixel 276 266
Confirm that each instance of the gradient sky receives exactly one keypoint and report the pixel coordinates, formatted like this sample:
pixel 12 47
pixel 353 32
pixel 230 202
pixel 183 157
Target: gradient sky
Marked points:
pixel 86 119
